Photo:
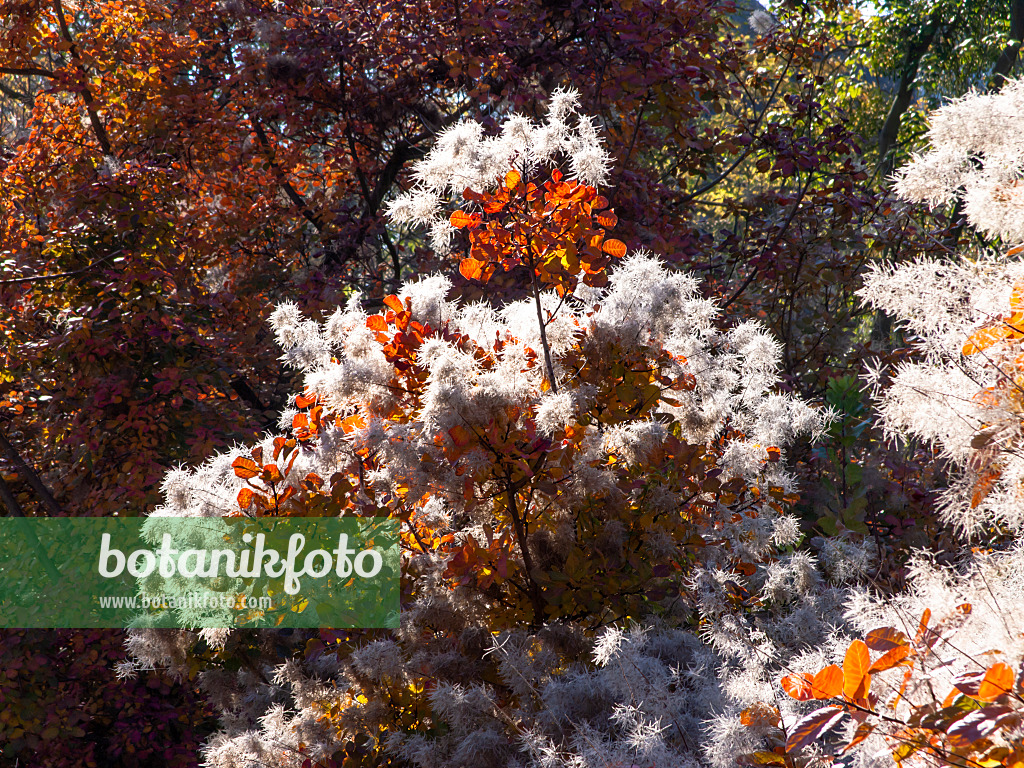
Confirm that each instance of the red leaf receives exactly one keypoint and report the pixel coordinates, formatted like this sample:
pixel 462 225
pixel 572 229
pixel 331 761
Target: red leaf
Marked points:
pixel 885 639
pixel 968 683
pixel 812 726
pixel 973 726
pixel 245 468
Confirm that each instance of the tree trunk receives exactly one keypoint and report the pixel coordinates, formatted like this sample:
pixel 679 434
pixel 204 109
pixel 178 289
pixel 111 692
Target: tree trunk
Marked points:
pixel 904 93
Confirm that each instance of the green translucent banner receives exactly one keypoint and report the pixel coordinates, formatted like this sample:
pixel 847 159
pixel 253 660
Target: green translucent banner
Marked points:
pixel 194 573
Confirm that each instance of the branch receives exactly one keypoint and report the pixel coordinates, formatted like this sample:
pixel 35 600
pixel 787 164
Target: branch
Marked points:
pixel 282 180
pixel 97 125
pixel 536 599
pixel 10 93
pixel 57 275
pixel 772 244
pixel 27 71
pixel 30 477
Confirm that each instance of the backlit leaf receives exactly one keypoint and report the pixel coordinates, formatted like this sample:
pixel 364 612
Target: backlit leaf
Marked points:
pixel 460 219
pixel 828 683
pixel 813 726
pixel 799 686
pixel 997 681
pixel 245 468
pixel 856 680
pixel 615 248
pixel 885 639
pixel 245 497
pixel 891 658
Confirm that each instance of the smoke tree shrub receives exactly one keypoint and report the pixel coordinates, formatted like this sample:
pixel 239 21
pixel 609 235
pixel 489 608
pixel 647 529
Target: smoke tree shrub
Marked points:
pixel 601 452
pixel 945 684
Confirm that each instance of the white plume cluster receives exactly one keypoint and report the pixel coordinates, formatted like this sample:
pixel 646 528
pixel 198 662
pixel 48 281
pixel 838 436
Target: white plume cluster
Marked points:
pixel 464 158
pixel 976 154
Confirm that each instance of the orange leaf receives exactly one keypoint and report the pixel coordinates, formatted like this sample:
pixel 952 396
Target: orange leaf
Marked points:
pixel 393 302
pixel 1017 297
pixel 923 626
pixel 615 248
pixel 512 180
pixel 460 219
pixel 608 219
pixel 377 323
pixel 856 680
pixel 245 498
pixel 812 726
pixel 302 401
pixel 890 659
pixel 885 639
pixel 759 714
pixel 863 731
pixel 472 269
pixel 774 454
pixel 828 683
pixel 984 338
pixel 983 487
pixel 997 681
pixel 352 423
pixel 245 468
pixel 799 686
pixel 460 436
pixel 271 474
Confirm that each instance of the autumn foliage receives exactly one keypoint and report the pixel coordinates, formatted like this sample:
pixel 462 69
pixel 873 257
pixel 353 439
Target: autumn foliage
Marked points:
pixel 637 492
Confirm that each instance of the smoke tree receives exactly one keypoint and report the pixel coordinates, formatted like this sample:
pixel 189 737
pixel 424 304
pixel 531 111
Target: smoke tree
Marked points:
pixel 603 451
pixel 946 683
